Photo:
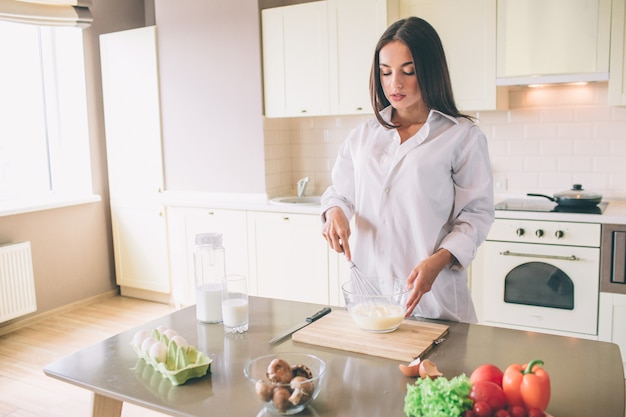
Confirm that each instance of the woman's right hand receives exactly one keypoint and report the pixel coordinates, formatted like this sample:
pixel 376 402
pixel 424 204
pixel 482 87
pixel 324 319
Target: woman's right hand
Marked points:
pixel 336 231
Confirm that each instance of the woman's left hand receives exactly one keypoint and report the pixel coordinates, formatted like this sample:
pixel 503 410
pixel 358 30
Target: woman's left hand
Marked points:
pixel 423 276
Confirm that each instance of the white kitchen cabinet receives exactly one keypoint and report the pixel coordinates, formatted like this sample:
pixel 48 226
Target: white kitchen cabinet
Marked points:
pixel 317 56
pixel 617 78
pixel 184 223
pixel 468 32
pixel 355 27
pixel 295 60
pixel 134 161
pixel 553 41
pixel 132 113
pixel 139 243
pixel 612 321
pixel 288 257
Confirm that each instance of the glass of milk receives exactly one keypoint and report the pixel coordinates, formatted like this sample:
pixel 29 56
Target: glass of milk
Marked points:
pixel 235 304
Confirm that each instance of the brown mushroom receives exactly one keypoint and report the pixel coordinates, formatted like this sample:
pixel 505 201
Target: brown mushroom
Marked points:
pixel 302 390
pixel 263 390
pixel 280 398
pixel 279 371
pixel 302 370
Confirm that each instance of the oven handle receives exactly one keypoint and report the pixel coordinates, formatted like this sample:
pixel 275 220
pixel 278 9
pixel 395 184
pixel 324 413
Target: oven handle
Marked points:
pixel 532 255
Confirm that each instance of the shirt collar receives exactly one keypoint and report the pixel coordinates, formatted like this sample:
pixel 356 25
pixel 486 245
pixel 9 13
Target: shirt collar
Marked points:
pixel 386 114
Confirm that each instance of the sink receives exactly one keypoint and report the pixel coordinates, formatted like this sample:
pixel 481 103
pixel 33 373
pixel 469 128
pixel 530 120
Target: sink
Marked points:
pixel 313 200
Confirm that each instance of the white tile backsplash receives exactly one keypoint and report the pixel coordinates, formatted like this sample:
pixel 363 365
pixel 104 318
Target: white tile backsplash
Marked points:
pixel 550 138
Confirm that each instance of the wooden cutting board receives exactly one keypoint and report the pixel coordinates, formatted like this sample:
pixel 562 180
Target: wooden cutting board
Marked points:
pixel 337 330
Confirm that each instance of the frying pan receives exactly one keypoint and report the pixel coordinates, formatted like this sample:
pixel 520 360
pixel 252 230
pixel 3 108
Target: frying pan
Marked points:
pixel 575 197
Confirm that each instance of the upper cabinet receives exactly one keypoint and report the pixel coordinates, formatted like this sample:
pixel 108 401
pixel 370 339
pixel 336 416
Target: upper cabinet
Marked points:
pixel 468 32
pixel 548 41
pixel 295 60
pixel 317 56
pixel 355 27
pixel 617 80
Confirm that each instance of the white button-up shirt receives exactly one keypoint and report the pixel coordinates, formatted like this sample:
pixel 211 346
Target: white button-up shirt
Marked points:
pixel 408 200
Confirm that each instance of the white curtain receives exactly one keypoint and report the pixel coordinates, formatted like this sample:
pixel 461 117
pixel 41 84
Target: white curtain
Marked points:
pixel 47 12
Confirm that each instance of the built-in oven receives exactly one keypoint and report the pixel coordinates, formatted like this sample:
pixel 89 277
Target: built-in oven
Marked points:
pixel 540 275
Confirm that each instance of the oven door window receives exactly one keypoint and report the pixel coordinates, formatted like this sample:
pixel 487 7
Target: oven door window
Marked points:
pixel 539 284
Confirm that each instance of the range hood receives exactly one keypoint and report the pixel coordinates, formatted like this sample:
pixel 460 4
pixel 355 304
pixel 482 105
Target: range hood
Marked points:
pixel 552 79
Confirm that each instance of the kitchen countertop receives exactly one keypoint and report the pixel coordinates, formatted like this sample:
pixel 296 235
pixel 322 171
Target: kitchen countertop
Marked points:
pixel 250 202
pixel 614 214
pixel 587 376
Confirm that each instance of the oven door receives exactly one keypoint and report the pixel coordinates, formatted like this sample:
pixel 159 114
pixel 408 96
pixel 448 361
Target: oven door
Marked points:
pixel 546 287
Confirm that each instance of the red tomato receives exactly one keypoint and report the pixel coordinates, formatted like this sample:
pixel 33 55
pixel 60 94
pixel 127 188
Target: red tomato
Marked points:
pixel 502 413
pixel 536 412
pixel 482 409
pixel 488 392
pixel 487 372
pixel 469 413
pixel 517 411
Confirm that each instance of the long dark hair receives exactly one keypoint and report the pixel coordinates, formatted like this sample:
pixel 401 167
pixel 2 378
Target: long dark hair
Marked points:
pixel 431 67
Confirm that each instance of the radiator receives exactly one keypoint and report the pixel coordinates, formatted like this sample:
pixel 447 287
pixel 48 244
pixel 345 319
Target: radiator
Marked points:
pixel 17 283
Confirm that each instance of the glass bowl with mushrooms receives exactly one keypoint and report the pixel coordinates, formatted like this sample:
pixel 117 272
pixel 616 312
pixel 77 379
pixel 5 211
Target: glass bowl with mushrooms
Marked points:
pixel 379 305
pixel 285 382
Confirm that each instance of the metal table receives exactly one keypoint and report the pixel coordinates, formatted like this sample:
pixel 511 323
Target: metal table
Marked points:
pixel 587 376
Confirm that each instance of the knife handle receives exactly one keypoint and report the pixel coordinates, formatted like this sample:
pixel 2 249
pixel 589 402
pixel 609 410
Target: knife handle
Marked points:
pixel 318 315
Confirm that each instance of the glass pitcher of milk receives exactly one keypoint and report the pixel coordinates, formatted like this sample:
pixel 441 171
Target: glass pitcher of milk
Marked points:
pixel 209 271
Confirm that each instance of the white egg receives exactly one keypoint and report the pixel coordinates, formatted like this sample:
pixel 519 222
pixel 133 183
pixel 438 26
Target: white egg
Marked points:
pixel 161 329
pixel 180 341
pixel 170 333
pixel 158 351
pixel 140 336
pixel 147 343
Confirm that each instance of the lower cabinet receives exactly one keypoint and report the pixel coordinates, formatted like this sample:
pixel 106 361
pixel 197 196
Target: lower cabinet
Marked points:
pixel 289 258
pixel 612 320
pixel 140 246
pixel 283 254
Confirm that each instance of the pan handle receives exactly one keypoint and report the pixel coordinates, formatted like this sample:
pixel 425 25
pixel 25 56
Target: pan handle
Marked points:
pixel 542 195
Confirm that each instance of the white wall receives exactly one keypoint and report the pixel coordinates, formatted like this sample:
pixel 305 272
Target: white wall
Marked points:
pixel 211 95
pixel 549 138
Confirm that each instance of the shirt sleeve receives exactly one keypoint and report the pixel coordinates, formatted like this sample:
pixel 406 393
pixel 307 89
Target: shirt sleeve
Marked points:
pixel 473 212
pixel 341 192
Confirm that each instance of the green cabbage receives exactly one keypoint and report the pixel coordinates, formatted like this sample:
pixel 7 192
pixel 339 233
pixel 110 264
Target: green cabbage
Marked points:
pixel 438 397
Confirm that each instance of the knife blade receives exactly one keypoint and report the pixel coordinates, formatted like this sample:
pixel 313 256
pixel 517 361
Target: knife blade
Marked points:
pixel 300 325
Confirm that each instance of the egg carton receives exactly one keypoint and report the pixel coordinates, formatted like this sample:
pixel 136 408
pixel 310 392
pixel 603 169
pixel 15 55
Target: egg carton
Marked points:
pixel 181 363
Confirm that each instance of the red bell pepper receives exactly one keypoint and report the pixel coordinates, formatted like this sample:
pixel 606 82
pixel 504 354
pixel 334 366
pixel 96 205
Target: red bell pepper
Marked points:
pixel 527 385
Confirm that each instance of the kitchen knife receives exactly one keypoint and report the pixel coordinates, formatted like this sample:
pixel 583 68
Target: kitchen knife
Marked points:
pixel 300 325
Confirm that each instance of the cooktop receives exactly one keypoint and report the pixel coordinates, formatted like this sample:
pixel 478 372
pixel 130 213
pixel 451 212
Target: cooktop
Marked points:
pixel 532 204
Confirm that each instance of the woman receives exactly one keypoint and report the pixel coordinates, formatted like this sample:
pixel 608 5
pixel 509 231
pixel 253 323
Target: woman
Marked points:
pixel 416 178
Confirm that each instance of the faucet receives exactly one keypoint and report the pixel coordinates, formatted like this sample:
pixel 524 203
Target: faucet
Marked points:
pixel 302 186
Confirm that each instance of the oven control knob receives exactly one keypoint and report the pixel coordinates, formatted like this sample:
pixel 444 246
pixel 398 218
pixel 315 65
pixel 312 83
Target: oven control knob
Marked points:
pixel 538 232
pixel 559 234
pixel 520 232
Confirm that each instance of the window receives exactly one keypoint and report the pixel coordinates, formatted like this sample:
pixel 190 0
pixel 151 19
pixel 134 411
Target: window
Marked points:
pixel 44 138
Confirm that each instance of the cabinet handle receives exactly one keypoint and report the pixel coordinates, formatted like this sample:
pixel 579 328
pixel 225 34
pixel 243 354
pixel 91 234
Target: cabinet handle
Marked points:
pixel 359 108
pixel 285 218
pixel 303 111
pixel 211 213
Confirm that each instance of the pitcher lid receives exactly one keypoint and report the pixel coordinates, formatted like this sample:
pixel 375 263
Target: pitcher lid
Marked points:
pixel 209 239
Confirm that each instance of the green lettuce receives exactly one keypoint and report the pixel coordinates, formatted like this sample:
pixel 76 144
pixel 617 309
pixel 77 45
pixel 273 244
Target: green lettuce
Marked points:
pixel 439 397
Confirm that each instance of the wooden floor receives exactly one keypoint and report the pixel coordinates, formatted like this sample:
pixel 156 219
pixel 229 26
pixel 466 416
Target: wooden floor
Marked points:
pixel 24 389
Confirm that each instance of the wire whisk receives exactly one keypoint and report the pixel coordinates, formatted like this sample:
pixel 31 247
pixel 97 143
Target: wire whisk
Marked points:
pixel 362 285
